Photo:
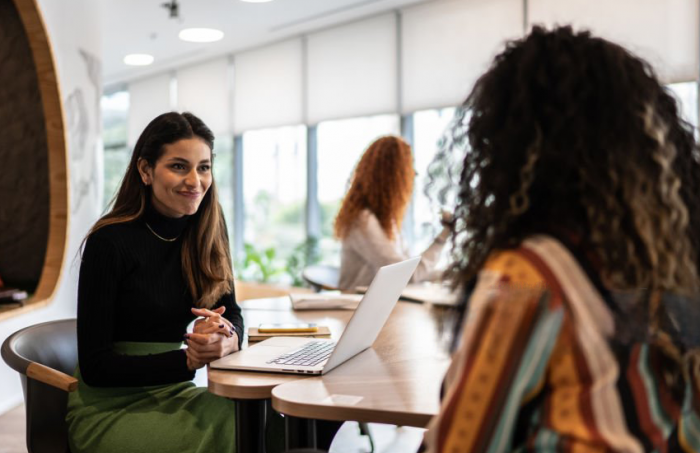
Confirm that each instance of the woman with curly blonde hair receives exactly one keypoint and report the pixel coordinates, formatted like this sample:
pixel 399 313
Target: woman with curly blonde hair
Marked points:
pixel 370 216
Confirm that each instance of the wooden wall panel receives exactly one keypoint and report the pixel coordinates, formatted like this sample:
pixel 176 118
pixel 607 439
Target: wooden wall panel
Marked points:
pixel 33 172
pixel 24 164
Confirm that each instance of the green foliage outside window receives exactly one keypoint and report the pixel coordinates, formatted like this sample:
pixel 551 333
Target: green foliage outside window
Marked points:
pixel 304 254
pixel 259 265
pixel 263 265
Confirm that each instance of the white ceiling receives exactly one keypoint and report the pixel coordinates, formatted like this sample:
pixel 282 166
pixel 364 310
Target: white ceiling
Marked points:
pixel 144 26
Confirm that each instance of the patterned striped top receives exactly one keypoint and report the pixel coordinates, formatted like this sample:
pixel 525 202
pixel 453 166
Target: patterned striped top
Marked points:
pixel 535 370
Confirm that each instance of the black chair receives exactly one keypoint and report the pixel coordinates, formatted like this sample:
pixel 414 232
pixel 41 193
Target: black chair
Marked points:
pixel 322 277
pixel 45 355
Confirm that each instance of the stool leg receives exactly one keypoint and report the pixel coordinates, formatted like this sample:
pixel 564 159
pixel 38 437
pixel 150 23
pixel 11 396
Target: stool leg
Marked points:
pixel 325 433
pixel 299 432
pixel 364 431
pixel 250 426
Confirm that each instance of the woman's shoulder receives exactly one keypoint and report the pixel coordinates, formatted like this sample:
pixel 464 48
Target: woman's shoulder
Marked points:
pixel 516 266
pixel 361 222
pixel 116 233
pixel 537 262
pixel 366 224
pixel 367 219
pixel 364 216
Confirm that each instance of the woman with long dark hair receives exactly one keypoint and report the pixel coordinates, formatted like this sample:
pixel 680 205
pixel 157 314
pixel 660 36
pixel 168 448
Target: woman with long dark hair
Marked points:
pixel 370 216
pixel 577 219
pixel 158 260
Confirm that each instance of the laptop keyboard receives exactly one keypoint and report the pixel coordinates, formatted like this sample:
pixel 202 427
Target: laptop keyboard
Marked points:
pixel 312 353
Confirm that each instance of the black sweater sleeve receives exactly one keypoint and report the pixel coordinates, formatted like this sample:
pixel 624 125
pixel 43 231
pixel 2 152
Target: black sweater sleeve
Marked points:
pixel 232 313
pixel 101 271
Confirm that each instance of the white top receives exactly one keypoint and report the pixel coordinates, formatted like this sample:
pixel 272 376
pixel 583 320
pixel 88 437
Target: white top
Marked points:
pixel 366 248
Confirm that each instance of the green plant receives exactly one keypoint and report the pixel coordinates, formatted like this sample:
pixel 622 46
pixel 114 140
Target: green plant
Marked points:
pixel 259 265
pixel 304 254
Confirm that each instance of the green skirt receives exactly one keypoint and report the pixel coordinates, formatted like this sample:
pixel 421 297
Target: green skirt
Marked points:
pixel 164 418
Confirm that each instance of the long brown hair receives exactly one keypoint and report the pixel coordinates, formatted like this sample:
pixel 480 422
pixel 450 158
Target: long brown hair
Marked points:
pixel 382 183
pixel 206 260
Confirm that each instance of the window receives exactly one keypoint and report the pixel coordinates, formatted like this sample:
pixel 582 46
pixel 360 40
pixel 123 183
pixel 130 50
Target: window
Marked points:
pixel 687 95
pixel 428 127
pixel 115 110
pixel 274 188
pixel 340 146
pixel 223 173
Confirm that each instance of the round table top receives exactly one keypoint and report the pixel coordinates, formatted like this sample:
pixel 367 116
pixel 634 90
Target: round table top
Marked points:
pixel 408 345
pixel 256 385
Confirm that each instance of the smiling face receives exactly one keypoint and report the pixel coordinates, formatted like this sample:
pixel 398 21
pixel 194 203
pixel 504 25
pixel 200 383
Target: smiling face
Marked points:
pixel 181 177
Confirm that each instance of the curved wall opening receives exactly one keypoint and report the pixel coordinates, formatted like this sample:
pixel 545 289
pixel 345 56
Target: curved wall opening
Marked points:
pixel 33 175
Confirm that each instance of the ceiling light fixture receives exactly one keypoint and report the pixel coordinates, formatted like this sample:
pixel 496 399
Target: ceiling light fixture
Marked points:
pixel 201 35
pixel 256 1
pixel 138 59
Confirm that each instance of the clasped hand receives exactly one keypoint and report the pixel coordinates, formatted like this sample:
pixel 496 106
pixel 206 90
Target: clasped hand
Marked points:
pixel 212 337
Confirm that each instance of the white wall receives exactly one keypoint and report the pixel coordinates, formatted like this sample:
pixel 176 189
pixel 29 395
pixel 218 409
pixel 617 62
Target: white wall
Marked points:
pixel 74 30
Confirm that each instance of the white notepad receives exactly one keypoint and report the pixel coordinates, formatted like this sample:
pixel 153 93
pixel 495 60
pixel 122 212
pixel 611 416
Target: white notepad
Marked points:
pixel 323 301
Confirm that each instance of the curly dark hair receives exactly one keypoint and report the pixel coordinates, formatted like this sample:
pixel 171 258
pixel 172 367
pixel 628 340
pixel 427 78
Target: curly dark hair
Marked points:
pixel 381 183
pixel 570 131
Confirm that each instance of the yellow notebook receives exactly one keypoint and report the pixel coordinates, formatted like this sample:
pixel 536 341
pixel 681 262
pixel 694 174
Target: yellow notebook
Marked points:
pixel 254 335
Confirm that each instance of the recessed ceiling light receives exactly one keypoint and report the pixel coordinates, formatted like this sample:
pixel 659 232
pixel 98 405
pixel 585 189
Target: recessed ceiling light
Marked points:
pixel 138 59
pixel 201 35
pixel 256 1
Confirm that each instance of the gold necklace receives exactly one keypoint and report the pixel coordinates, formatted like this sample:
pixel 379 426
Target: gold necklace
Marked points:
pixel 161 237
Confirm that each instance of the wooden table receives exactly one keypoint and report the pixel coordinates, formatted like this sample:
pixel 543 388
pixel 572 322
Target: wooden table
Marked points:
pixel 396 381
pixel 249 385
pixel 433 293
pixel 252 390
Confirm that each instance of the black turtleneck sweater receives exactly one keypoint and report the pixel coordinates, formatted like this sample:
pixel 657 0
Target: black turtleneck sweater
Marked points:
pixel 131 288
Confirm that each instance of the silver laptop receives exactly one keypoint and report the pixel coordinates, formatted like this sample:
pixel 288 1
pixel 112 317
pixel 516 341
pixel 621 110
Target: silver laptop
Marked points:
pixel 319 356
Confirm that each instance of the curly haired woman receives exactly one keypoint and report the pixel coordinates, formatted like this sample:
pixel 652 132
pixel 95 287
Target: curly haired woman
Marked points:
pixel 577 218
pixel 370 216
